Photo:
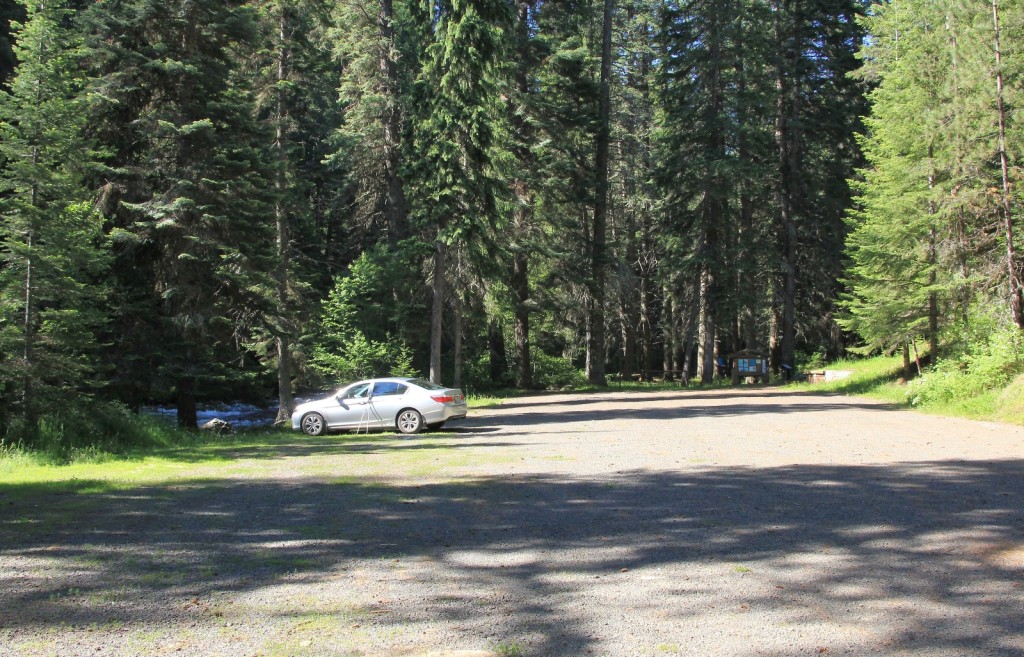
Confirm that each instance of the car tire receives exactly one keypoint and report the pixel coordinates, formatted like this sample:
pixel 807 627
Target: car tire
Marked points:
pixel 409 421
pixel 313 424
pixel 434 426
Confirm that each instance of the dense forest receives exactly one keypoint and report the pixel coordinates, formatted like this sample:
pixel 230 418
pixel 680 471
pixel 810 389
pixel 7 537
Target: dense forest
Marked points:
pixel 242 199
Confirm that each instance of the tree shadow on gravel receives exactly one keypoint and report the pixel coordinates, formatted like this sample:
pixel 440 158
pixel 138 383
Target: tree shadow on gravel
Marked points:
pixel 813 542
pixel 692 409
pixel 277 446
pixel 695 395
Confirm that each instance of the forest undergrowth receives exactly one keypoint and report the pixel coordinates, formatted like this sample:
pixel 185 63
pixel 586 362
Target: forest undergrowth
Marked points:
pixel 983 380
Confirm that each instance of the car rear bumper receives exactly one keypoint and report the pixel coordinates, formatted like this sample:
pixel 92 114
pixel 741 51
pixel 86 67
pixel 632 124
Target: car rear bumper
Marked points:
pixel 445 413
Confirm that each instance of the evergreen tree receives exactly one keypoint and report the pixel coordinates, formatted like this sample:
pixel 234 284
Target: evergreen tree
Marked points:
pixel 184 192
pixel 923 250
pixel 696 129
pixel 51 250
pixel 295 93
pixel 456 182
pixel 566 117
pixel 380 53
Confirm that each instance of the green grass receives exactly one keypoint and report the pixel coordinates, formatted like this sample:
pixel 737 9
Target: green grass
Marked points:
pixel 209 461
pixel 508 649
pixel 1009 404
pixel 881 378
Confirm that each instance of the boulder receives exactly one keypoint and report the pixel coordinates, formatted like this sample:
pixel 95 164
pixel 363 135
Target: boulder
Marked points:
pixel 218 426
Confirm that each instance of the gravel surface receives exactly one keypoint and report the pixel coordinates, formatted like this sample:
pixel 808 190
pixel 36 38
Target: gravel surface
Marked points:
pixel 718 523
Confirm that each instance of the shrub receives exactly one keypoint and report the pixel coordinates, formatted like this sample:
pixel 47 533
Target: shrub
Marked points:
pixel 361 358
pixel 1010 404
pixel 553 372
pixel 990 364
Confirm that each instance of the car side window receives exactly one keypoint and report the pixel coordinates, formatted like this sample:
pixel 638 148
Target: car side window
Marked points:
pixel 358 392
pixel 388 388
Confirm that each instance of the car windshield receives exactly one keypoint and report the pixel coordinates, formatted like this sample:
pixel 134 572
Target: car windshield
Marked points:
pixel 426 385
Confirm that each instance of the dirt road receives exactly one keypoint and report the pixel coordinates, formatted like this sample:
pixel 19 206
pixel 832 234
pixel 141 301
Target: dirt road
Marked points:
pixel 718 523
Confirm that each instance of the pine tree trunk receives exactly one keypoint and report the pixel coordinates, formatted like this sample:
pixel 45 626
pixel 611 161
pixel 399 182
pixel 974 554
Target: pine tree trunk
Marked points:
pixel 496 347
pixel 787 157
pixel 27 403
pixel 933 298
pixel 457 350
pixel 646 324
pixel 523 213
pixel 521 321
pixel 1013 267
pixel 690 335
pixel 188 415
pixel 395 208
pixel 774 343
pixel 667 329
pixel 284 365
pixel 747 283
pixel 437 312
pixel 706 347
pixel 596 332
pixel 628 338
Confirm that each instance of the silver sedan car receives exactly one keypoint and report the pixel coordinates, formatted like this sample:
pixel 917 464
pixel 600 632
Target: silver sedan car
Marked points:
pixel 406 404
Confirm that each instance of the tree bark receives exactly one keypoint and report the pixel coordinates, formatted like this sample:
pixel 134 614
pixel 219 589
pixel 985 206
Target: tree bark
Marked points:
pixel 521 320
pixel 1013 269
pixel 706 331
pixel 523 213
pixel 188 415
pixel 787 154
pixel 284 366
pixel 667 331
pixel 628 337
pixel 28 405
pixel 437 312
pixel 395 208
pixel 457 351
pixel 690 333
pixel 496 347
pixel 596 316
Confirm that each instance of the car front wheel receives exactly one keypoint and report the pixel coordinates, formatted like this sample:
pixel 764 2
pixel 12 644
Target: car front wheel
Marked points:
pixel 409 421
pixel 313 424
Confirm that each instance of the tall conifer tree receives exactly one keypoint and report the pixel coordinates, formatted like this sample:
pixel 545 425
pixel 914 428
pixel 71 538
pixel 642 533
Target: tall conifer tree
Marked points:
pixel 51 251
pixel 184 193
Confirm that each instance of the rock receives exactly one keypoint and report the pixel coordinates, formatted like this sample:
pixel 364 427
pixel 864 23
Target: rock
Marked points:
pixel 218 426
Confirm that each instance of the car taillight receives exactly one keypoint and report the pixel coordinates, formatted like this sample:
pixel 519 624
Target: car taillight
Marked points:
pixel 443 399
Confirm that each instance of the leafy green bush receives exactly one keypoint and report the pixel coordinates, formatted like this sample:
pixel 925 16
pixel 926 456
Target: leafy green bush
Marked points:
pixel 1010 403
pixel 991 363
pixel 476 375
pixel 553 372
pixel 360 358
pixel 343 351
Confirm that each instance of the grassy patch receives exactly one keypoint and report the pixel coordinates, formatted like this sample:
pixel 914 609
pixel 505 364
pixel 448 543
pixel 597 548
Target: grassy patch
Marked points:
pixel 508 649
pixel 876 377
pixel 1009 404
pixel 881 378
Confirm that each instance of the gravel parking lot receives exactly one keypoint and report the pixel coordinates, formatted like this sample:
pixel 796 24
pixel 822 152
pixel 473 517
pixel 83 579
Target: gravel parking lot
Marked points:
pixel 713 523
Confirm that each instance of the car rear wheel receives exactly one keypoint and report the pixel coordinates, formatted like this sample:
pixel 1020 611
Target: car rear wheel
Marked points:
pixel 409 421
pixel 313 424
